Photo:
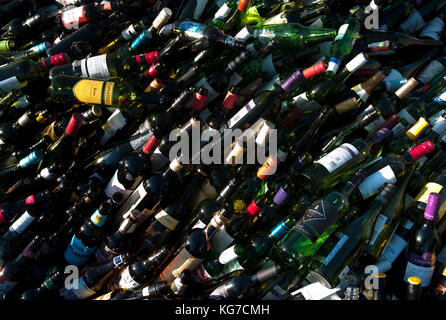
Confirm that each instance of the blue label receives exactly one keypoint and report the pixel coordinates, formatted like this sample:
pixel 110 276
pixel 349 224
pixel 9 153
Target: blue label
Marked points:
pixel 33 158
pixel 190 26
pixel 77 253
pixel 40 48
pixel 141 40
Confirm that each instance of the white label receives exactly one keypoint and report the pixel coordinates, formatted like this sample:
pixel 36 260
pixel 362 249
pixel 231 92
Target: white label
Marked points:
pixel 341 32
pixel 114 186
pixel 338 157
pixel 316 291
pixel 96 67
pixel 375 182
pixel 434 118
pixel 138 141
pixel 403 114
pixel 433 29
pixel 9 84
pixel 228 255
pixel 268 66
pixel 126 281
pixel 432 69
pixel 221 240
pixel 212 94
pixel 242 112
pixel 71 18
pixel 134 199
pixel 166 220
pixel 414 23
pixel 223 12
pixel 129 33
pixel 22 223
pixel 379 224
pixel 243 35
pixel 424 273
pixel 115 122
pixel 360 91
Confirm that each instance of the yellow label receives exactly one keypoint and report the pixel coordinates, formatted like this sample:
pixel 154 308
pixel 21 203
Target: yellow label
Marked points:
pixel 108 95
pixel 430 187
pixel 89 91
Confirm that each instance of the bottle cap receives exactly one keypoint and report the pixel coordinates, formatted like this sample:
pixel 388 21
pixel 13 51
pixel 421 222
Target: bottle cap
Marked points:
pixel 422 150
pixel 432 205
pixel 151 145
pixel 414 281
pixel 268 168
pixel 406 88
pixel 243 5
pixel 31 159
pixel 175 165
pixel 281 197
pixel 236 155
pixel 56 60
pixel 151 72
pixel 148 58
pixel 315 70
pixel 263 134
pixel 230 99
pixel 417 128
pixel 333 65
pixel 162 18
pixel 291 119
pixel 199 99
pixel 357 62
pixel 74 124
pixel 155 85
pixel 253 208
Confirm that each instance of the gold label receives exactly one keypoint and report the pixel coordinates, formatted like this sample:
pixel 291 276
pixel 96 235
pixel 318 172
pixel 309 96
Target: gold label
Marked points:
pixel 89 91
pixel 108 95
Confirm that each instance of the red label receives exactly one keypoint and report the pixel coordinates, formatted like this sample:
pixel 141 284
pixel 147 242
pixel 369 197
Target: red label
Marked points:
pixel 72 18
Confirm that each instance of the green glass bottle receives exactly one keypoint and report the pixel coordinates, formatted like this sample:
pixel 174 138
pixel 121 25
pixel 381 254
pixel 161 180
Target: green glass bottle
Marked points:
pixel 236 21
pixel 293 36
pixel 347 244
pixel 343 44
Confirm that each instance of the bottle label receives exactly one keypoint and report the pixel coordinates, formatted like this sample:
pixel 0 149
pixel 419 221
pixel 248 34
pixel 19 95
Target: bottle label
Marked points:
pixel 126 281
pixel 314 291
pixel 6 285
pixel 424 273
pixel 241 114
pixel 413 23
pixel 403 114
pixel 93 91
pixel 136 142
pixel 343 239
pixel 98 219
pixel 199 225
pixel 221 240
pixel 317 219
pixel 115 186
pixel 191 29
pixel 361 92
pixel 433 29
pixel 22 223
pixel 430 71
pixel 338 157
pixel 129 33
pixel 72 18
pixel 341 32
pixel 133 201
pixel 379 224
pixel 268 66
pixel 212 94
pixel 79 293
pixel 227 255
pixel 395 246
pixel 77 253
pixel 166 220
pixel 430 187
pixel 223 12
pixel 375 182
pixel 95 67
pixel 9 84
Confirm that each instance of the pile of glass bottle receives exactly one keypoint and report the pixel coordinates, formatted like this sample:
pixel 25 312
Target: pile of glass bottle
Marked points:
pixel 211 149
